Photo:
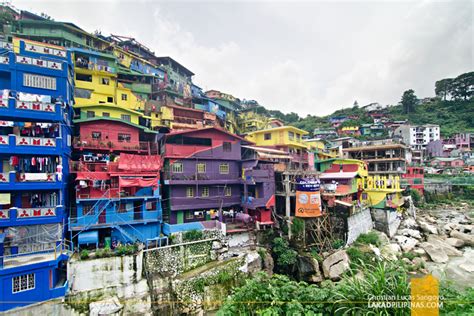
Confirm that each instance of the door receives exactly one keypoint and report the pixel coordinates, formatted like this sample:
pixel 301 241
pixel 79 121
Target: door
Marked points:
pixel 137 210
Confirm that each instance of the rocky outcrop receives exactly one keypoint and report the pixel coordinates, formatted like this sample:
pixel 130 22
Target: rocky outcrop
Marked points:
pixel 428 228
pixel 436 254
pixel 335 265
pixel 307 269
pixel 468 239
pixel 455 242
pixel 390 251
pixel 439 250
pixel 406 243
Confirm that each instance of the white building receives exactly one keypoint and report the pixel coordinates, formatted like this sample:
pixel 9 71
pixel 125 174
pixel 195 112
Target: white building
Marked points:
pixel 417 137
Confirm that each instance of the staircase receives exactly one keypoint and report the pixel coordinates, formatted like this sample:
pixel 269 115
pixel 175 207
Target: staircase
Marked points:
pixel 131 238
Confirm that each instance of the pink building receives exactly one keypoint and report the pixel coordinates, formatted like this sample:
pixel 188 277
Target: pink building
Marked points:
pixel 447 162
pixel 463 141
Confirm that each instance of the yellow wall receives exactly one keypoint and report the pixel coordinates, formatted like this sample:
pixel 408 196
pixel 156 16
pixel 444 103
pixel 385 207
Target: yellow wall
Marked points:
pixel 114 112
pixel 100 92
pixel 132 102
pixel 279 137
pixel 163 118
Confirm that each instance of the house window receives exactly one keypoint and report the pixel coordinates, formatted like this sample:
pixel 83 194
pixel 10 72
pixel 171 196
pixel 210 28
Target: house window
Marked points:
pixel 201 168
pixel 105 81
pixel 96 135
pixel 81 77
pixel 124 138
pixel 291 135
pixel 124 97
pixel 189 215
pixel 110 99
pixel 189 192
pixel 23 283
pixel 126 118
pixel 298 137
pixel 177 167
pixel 122 208
pixel 227 146
pixel 88 209
pixel 90 114
pixel 224 168
pixel 228 191
pixel 267 136
pixel 82 93
pixel 205 192
pixel 42 82
pixel 105 114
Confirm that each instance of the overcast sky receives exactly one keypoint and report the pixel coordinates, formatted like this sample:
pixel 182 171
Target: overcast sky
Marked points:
pixel 310 57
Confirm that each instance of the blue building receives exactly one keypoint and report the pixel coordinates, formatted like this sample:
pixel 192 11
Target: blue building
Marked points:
pixel 36 98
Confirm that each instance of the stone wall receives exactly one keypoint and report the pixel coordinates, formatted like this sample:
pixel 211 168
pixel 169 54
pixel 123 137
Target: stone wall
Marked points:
pixel 386 221
pixel 98 279
pixel 357 224
pixel 438 187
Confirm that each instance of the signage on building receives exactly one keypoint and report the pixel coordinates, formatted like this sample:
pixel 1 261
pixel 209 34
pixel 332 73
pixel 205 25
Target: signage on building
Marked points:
pixel 308 198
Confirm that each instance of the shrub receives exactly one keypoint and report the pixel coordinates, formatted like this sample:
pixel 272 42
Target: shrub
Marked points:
pixel 104 253
pixel 358 256
pixel 192 235
pixel 416 197
pixel 298 226
pixel 338 243
pixel 124 250
pixel 286 257
pixel 409 255
pixel 84 254
pixel 369 238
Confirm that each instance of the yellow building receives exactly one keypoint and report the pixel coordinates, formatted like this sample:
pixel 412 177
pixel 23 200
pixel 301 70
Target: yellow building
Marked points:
pixel 382 192
pixel 286 138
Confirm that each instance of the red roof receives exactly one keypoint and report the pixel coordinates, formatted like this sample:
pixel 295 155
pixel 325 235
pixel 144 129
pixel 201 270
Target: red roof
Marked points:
pixel 179 132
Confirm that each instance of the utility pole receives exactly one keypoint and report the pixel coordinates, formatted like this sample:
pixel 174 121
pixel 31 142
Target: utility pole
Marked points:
pixel 287 202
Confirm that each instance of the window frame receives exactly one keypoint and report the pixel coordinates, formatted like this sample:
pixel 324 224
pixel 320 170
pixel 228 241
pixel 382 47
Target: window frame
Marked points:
pixel 90 114
pixel 267 136
pixel 221 170
pixel 227 147
pixel 202 170
pixel 205 192
pixel 28 277
pixel 124 138
pixel 228 191
pixel 190 192
pixel 175 169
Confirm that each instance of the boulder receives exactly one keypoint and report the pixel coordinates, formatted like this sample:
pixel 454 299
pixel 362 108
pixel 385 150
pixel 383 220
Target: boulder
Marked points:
pixel 464 228
pixel 216 245
pixel 406 243
pixel 428 228
pixel 383 238
pixel 449 227
pixel 419 251
pixel 436 254
pixel 455 242
pixel 410 233
pixel 307 269
pixel 110 306
pixel 439 243
pixel 468 266
pixel 390 251
pixel 468 239
pixel 335 265
pixel 418 261
pixel 409 223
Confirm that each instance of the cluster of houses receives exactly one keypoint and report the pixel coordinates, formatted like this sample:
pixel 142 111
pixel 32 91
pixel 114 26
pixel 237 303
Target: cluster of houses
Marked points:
pixel 103 142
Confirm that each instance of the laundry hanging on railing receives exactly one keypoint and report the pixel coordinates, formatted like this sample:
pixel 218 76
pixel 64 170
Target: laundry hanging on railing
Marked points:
pixel 43 199
pixel 138 182
pixel 35 164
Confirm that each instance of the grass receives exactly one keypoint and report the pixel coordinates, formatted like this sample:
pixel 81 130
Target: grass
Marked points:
pixel 369 238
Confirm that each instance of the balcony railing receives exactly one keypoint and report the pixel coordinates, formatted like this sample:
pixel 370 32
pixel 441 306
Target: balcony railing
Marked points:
pixel 13 143
pixel 39 62
pixel 110 218
pixel 208 176
pixel 90 143
pixel 94 66
pixel 34 110
pixel 30 213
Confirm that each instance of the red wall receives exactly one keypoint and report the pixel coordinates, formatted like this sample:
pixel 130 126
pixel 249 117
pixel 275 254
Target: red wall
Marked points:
pixel 109 129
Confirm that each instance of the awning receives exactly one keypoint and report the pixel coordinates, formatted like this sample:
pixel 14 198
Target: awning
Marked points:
pixel 272 156
pixel 266 150
pixel 138 182
pixel 87 175
pixel 130 162
pixel 343 203
pixel 338 175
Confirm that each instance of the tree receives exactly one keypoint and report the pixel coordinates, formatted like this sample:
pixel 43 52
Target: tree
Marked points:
pixel 356 104
pixel 409 101
pixel 443 88
pixel 463 86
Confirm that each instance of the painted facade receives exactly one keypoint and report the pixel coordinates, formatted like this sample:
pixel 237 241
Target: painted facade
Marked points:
pixel 36 102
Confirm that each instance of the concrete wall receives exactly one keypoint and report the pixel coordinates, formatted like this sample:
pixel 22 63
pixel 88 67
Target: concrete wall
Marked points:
pixel 386 221
pixel 357 224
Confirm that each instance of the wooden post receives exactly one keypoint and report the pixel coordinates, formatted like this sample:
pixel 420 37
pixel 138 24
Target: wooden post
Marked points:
pixel 288 204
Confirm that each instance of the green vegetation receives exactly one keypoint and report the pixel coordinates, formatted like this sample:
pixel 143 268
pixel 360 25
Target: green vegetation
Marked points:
pixel 416 197
pixel 338 243
pixel 84 254
pixel 285 256
pixel 456 302
pixel 357 255
pixel 369 238
pixel 125 250
pixel 104 253
pixel 192 235
pixel 409 101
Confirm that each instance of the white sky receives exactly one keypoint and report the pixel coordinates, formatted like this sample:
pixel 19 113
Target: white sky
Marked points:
pixel 310 57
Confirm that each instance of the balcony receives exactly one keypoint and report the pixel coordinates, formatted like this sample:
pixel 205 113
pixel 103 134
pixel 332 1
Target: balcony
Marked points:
pixel 10 144
pixel 201 178
pixel 110 217
pixel 18 216
pixel 199 203
pixel 82 143
pixel 84 64
pixel 253 203
pixel 12 109
pixel 258 176
pixel 13 181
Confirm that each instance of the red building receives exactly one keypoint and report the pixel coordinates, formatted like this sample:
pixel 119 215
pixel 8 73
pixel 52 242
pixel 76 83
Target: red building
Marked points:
pixel 415 178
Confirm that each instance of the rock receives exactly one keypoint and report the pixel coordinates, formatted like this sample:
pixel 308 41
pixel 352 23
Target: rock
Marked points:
pixel 464 228
pixel 383 238
pixel 468 239
pixel 448 227
pixel 455 242
pixel 409 223
pixel 406 243
pixel 308 269
pixel 419 251
pixel 468 266
pixel 428 228
pixel 390 251
pixel 268 264
pixel 448 249
pixel 375 250
pixel 410 233
pixel 436 254
pixel 253 263
pixel 105 307
pixel 335 265
pixel 406 260
pixel 216 245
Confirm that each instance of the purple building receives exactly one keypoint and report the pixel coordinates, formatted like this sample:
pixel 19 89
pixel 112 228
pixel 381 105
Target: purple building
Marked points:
pixel 202 177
